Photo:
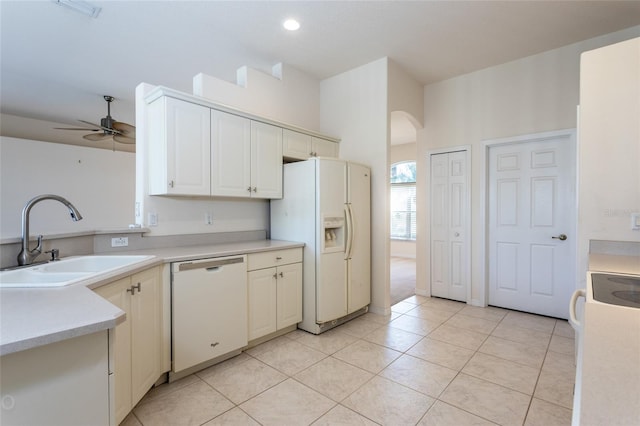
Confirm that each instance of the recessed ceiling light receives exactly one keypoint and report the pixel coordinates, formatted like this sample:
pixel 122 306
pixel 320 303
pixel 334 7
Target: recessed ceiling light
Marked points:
pixel 291 25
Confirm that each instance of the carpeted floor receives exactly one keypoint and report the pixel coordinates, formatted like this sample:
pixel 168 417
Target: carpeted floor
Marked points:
pixel 403 278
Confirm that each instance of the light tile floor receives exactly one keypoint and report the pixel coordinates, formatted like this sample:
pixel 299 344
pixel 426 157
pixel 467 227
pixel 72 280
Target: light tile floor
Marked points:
pixel 431 362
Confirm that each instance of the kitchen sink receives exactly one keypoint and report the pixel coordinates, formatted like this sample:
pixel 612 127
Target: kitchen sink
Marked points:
pixel 67 271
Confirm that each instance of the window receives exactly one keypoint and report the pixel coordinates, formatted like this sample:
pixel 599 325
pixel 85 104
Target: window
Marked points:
pixel 403 200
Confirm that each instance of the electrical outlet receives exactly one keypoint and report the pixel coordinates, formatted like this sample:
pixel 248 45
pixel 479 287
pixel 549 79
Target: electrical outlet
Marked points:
pixel 153 219
pixel 208 218
pixel 635 221
pixel 120 242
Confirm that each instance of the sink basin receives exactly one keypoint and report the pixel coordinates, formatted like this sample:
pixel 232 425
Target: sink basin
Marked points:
pixel 67 271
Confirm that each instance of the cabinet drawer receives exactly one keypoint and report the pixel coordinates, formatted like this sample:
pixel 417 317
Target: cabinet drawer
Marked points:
pixel 269 259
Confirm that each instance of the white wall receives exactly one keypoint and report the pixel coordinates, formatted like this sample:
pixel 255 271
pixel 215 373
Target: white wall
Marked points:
pixel 99 182
pixel 398 153
pixel 289 96
pixel 186 215
pixel 609 146
pixel 534 94
pixel 356 105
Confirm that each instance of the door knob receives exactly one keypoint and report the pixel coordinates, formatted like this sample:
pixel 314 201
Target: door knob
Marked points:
pixel 560 237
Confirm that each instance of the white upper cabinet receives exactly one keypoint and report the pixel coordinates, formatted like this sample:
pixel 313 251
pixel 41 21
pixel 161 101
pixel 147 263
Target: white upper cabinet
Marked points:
pixel 179 148
pixel 230 155
pixel 246 157
pixel 324 148
pixel 266 160
pixel 299 146
pixel 296 145
pixel 193 147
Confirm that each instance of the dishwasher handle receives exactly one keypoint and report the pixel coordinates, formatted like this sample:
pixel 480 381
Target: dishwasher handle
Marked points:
pixel 211 265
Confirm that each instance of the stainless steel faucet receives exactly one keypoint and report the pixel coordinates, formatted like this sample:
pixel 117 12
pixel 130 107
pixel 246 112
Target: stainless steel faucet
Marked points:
pixel 26 255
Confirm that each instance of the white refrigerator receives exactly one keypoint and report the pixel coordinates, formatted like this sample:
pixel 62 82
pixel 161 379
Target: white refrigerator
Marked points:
pixel 326 204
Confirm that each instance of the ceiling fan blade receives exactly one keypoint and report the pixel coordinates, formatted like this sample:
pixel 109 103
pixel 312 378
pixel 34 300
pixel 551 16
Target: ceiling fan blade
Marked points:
pixel 76 128
pixel 124 139
pixel 125 128
pixel 96 136
pixel 96 126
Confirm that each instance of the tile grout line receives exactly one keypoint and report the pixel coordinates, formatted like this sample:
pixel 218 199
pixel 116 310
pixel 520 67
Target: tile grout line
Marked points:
pixel 362 338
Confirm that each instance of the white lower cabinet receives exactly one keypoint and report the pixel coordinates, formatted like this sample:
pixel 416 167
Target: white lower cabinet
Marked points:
pixel 275 291
pixel 62 383
pixel 137 341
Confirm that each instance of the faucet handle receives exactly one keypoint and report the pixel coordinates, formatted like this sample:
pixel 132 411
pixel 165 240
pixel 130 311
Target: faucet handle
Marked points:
pixel 36 251
pixel 55 254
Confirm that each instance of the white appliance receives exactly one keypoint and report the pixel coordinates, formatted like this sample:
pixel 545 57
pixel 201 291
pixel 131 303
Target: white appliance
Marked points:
pixel 326 204
pixel 607 388
pixel 209 309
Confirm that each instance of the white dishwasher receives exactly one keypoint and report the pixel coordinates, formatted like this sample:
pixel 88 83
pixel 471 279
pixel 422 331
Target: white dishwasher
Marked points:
pixel 209 309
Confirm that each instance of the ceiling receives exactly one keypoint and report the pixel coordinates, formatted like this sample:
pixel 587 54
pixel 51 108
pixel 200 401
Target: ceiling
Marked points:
pixel 56 64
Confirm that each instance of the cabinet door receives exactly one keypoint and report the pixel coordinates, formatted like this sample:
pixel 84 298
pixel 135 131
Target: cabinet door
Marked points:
pixel 262 302
pixel 116 293
pixel 266 160
pixel 324 148
pixel 145 332
pixel 230 155
pixel 188 136
pixel 289 291
pixel 295 145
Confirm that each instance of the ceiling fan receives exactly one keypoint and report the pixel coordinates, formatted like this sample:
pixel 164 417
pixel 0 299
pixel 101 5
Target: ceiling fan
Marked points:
pixel 109 128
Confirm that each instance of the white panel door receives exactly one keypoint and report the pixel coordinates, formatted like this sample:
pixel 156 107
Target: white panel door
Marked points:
pixel 449 225
pixel 531 213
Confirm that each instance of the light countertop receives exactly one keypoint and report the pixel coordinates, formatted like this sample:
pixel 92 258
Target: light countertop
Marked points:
pixel 614 263
pixel 31 317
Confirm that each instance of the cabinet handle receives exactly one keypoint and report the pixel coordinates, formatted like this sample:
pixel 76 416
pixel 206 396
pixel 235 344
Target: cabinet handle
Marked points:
pixel 278 258
pixel 281 275
pixel 136 287
pixel 213 345
pixel 255 189
pixel 170 184
pixel 249 189
pixel 275 275
pixel 131 290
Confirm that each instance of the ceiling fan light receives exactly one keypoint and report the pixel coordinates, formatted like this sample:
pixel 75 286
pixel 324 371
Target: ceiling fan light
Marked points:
pixel 80 6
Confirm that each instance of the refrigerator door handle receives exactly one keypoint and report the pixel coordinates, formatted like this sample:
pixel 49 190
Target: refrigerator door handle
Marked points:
pixel 349 215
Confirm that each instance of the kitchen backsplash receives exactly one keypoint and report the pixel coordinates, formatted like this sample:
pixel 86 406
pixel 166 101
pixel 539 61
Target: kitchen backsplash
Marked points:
pixel 619 248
